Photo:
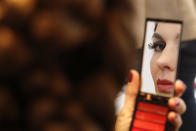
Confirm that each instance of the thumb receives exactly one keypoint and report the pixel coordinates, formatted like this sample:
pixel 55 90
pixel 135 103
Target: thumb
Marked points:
pixel 132 90
pixel 125 115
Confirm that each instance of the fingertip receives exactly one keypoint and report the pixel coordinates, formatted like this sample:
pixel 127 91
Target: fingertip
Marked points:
pixel 172 116
pixel 171 103
pixel 135 72
pixel 177 105
pixel 133 85
pixel 132 91
pixel 135 78
pixel 134 75
pixel 174 102
pixel 180 84
pixel 175 120
pixel 180 87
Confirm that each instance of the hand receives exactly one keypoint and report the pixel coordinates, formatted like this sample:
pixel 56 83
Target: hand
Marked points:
pixel 177 105
pixel 126 114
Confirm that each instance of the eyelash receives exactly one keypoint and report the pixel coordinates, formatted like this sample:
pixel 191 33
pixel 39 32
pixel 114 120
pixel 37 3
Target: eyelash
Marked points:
pixel 158 46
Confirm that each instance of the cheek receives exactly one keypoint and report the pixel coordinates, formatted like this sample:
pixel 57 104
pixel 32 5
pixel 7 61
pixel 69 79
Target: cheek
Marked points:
pixel 153 67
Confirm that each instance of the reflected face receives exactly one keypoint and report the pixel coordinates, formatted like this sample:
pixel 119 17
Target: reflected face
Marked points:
pixel 163 64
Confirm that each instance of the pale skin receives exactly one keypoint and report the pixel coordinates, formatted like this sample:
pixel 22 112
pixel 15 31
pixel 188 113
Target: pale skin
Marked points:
pixel 163 64
pixel 175 103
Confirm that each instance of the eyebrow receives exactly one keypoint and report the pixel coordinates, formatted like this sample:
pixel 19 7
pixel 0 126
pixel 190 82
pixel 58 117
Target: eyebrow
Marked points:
pixel 157 36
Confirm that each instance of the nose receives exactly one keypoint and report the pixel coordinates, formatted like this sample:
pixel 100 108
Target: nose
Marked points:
pixel 168 59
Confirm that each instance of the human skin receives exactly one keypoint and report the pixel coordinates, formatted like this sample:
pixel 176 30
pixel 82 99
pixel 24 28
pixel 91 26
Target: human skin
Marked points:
pixel 176 104
pixel 163 64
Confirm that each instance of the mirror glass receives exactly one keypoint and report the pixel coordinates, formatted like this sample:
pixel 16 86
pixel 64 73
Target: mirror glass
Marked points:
pixel 160 57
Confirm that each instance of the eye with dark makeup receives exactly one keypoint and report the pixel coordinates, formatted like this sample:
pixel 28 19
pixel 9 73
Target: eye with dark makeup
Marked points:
pixel 158 46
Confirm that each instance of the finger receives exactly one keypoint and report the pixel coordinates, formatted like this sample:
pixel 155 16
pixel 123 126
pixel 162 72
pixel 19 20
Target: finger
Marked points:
pixel 180 87
pixel 125 115
pixel 132 90
pixel 177 105
pixel 175 119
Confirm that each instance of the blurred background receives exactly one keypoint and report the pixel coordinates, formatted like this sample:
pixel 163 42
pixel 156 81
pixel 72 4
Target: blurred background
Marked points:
pixel 63 62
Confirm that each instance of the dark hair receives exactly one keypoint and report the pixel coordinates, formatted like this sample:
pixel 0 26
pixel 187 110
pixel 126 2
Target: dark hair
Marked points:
pixel 156 24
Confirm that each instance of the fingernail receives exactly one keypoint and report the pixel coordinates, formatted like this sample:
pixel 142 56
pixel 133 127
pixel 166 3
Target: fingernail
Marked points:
pixel 130 76
pixel 177 102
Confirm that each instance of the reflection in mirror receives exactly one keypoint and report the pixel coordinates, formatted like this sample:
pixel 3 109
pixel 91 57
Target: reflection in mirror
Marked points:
pixel 160 57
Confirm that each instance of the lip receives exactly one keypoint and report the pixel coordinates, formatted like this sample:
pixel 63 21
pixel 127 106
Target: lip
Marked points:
pixel 165 85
